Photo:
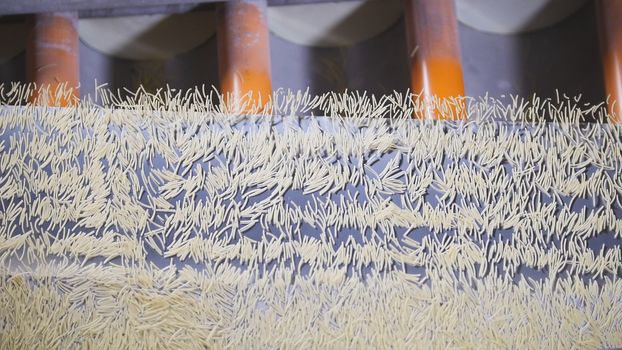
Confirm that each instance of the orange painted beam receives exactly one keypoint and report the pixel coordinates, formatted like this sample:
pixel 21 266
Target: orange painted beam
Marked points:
pixel 609 14
pixel 435 65
pixel 244 52
pixel 52 57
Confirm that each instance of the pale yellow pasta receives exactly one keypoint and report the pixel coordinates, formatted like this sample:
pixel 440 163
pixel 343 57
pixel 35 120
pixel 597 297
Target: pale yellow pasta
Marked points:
pixel 169 220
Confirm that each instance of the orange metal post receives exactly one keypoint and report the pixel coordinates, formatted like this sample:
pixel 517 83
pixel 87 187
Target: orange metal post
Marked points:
pixel 52 56
pixel 609 13
pixel 432 34
pixel 244 51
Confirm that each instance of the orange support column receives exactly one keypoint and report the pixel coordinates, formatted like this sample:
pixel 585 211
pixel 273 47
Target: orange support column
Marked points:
pixel 609 14
pixel 436 70
pixel 52 57
pixel 244 52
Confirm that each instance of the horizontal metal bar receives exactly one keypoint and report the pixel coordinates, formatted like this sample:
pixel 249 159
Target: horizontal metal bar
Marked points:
pixel 299 2
pixel 108 8
pixel 148 10
pixel 11 7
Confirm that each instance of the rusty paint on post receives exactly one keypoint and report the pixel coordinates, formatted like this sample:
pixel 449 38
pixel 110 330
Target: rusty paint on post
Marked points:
pixel 244 52
pixel 436 69
pixel 52 57
pixel 609 13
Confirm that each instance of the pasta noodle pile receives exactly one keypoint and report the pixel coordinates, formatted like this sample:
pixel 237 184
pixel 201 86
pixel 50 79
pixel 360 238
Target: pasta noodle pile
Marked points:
pixel 173 220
